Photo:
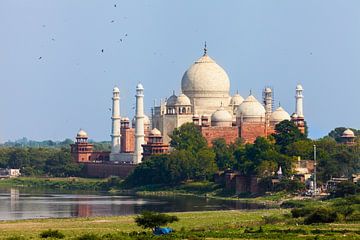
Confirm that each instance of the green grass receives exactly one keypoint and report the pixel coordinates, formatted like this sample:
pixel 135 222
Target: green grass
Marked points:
pixel 192 225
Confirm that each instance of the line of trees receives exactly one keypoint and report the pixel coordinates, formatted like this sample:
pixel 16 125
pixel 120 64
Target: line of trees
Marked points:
pixel 192 159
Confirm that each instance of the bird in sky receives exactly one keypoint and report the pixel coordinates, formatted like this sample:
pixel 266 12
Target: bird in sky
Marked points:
pixel 114 5
pixel 102 50
pixel 112 21
pixel 40 58
pixel 125 34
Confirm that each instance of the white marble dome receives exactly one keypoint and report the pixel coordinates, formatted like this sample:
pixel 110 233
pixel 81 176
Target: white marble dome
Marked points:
pixel 279 115
pixel 81 134
pixel 205 76
pixel 221 118
pixel 183 100
pixel 146 121
pixel 348 133
pixel 116 90
pixel 251 110
pixel 236 100
pixel 207 85
pixel 171 101
pixel 155 132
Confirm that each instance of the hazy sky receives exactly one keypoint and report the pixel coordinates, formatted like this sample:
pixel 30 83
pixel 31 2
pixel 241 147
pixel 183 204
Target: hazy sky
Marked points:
pixel 55 79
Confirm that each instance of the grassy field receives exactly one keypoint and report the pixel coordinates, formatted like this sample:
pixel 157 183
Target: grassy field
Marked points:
pixel 259 224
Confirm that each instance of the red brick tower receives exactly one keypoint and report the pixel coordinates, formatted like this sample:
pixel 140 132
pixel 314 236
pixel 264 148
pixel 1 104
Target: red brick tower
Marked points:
pixel 81 151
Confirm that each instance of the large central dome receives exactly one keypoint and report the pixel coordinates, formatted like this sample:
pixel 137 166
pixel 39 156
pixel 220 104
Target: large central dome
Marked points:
pixel 206 84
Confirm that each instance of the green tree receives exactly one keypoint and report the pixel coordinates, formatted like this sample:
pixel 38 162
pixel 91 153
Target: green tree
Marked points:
pixel 148 219
pixel 224 154
pixel 188 137
pixel 287 133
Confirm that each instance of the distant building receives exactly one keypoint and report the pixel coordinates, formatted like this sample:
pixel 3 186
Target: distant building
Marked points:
pixel 348 137
pixel 9 172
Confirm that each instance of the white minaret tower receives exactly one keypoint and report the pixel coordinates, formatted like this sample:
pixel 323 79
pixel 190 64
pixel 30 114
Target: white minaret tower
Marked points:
pixel 299 101
pixel 115 129
pixel 139 125
pixel 268 100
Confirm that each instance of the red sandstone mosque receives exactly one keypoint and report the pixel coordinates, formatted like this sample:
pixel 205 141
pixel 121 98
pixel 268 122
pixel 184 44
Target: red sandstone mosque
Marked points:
pixel 204 100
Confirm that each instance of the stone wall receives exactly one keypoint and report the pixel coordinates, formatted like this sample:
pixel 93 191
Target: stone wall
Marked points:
pixel 230 134
pixel 104 170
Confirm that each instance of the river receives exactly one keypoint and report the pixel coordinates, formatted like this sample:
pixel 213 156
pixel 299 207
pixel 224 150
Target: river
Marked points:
pixel 18 203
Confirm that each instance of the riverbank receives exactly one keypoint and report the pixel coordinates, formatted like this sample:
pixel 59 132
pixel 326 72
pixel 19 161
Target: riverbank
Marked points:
pixel 113 185
pixel 254 224
pixel 71 183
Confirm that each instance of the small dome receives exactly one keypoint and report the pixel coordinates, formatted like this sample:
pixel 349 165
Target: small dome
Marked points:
pixel 81 134
pixel 236 100
pixel 125 119
pixel 348 133
pixel 139 87
pixel 268 90
pixel 155 132
pixel 221 118
pixel 251 110
pixel 146 121
pixel 294 116
pixel 171 101
pixel 279 115
pixel 299 87
pixel 183 100
pixel 116 90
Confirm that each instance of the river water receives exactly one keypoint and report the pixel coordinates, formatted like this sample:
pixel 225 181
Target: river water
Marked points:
pixel 27 204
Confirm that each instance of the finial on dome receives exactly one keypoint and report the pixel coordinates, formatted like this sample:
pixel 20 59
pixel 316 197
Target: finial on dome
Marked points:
pixel 250 92
pixel 205 49
pixel 173 92
pixel 279 104
pixel 237 91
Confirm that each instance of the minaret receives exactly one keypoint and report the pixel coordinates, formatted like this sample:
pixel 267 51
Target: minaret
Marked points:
pixel 139 125
pixel 268 100
pixel 299 101
pixel 115 129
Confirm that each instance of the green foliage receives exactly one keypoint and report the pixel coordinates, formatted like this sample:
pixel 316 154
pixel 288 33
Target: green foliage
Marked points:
pixel 40 161
pixel 191 160
pixel 188 137
pixel 337 132
pixel 148 219
pixel 321 215
pixel 52 234
pixel 89 236
pixel 224 153
pixel 347 188
pixel 286 132
pixel 290 185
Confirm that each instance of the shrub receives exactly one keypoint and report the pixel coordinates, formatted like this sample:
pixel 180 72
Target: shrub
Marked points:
pixel 89 236
pixel 272 219
pixel 148 219
pixel 15 238
pixel 354 217
pixel 292 204
pixel 51 234
pixel 321 215
pixel 301 212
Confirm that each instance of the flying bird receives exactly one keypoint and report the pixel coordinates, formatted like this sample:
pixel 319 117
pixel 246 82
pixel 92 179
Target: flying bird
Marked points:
pixel 114 5
pixel 102 50
pixel 125 34
pixel 112 21
pixel 40 58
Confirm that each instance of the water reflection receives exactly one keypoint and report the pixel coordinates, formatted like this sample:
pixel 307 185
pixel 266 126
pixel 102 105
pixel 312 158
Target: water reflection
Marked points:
pixel 25 204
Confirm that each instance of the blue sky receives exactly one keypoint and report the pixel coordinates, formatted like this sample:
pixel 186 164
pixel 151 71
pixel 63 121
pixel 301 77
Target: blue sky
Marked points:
pixel 55 79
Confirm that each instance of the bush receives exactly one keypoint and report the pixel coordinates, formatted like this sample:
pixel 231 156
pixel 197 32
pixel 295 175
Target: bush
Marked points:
pixel 354 217
pixel 301 212
pixel 88 236
pixel 272 219
pixel 148 219
pixel 51 234
pixel 321 215
pixel 15 238
pixel 292 204
pixel 344 189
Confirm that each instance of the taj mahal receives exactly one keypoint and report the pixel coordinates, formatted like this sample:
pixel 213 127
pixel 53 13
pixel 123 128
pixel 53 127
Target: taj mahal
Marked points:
pixel 204 100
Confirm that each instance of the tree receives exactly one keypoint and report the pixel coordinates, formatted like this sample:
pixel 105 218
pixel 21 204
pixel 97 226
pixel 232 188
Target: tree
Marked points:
pixel 224 154
pixel 188 137
pixel 286 132
pixel 149 219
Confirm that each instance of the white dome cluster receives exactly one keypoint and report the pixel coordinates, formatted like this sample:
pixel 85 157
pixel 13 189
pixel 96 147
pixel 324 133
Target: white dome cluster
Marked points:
pixel 183 100
pixel 81 134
